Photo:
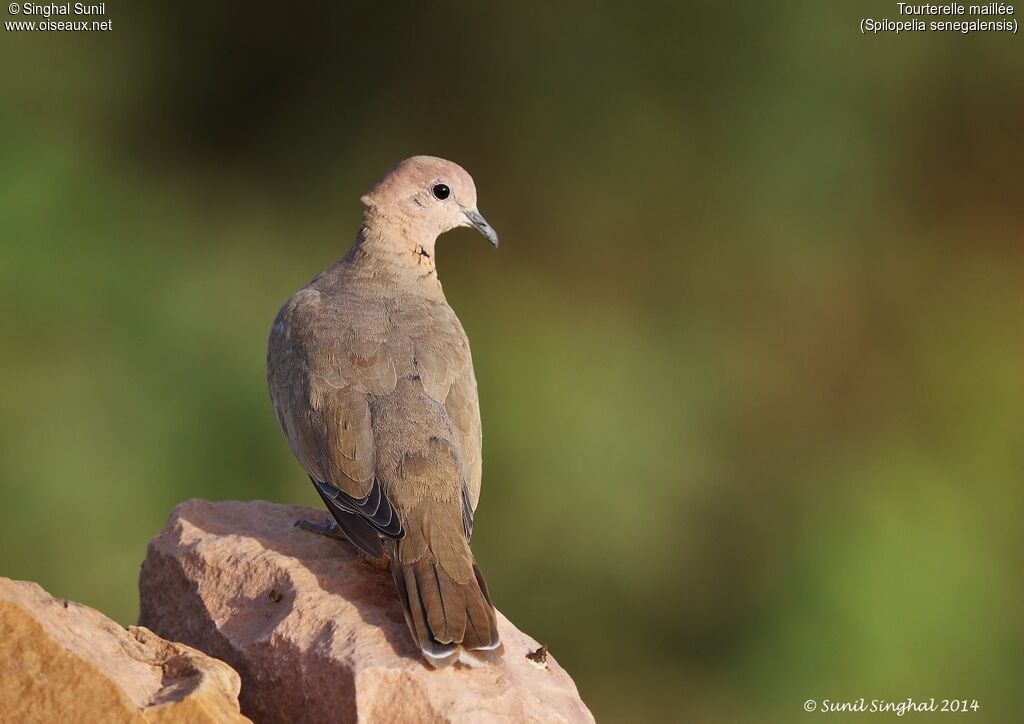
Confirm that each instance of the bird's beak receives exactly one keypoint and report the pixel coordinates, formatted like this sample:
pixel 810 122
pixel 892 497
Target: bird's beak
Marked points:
pixel 479 223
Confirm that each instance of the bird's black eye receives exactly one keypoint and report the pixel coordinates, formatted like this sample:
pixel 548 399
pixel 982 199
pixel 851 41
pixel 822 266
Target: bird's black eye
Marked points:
pixel 441 191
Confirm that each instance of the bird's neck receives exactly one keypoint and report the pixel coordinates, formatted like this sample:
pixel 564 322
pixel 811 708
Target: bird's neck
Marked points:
pixel 397 253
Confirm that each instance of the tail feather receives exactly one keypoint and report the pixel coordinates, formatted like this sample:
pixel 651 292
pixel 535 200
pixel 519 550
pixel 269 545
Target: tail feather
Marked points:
pixel 416 616
pixel 485 631
pixel 442 612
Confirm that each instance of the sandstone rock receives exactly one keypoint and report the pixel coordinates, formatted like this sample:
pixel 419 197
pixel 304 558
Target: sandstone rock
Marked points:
pixel 65 662
pixel 317 633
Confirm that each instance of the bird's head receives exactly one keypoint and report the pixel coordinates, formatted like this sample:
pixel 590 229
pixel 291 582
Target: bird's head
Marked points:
pixel 424 197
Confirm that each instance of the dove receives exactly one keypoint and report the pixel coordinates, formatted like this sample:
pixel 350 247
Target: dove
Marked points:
pixel 372 383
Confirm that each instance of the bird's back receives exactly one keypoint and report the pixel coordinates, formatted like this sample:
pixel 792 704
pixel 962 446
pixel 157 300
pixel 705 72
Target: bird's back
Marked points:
pixel 407 353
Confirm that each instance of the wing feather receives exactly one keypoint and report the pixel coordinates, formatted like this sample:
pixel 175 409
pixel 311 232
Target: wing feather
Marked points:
pixel 322 402
pixel 463 411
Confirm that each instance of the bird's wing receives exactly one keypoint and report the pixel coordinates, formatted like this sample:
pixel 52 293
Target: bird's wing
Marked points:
pixel 464 413
pixel 321 375
pixel 445 369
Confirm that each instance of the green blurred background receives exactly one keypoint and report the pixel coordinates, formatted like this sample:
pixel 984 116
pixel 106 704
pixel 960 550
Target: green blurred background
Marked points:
pixel 751 356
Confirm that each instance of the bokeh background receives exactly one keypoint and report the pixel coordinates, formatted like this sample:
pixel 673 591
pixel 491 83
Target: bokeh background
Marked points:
pixel 751 356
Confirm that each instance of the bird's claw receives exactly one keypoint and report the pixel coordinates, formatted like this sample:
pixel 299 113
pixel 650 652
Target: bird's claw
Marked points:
pixel 329 528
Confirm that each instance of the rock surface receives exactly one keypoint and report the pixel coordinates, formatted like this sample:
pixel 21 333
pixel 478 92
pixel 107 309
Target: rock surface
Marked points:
pixel 65 662
pixel 317 632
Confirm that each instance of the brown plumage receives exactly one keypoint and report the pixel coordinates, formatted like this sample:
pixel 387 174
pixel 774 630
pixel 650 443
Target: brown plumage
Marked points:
pixel 372 381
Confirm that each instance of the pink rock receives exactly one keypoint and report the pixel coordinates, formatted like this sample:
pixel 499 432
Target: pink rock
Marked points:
pixel 317 633
pixel 65 662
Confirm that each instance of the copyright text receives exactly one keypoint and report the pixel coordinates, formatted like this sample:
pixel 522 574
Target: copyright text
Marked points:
pixel 74 17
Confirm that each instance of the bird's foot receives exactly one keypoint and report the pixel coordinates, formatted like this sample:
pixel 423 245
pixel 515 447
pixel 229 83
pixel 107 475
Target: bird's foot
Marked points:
pixel 329 528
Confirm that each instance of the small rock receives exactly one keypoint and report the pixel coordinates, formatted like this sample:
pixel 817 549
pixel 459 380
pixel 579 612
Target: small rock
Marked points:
pixel 65 662
pixel 332 644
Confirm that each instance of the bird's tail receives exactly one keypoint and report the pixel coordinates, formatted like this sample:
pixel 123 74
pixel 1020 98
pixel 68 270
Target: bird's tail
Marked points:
pixel 445 598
